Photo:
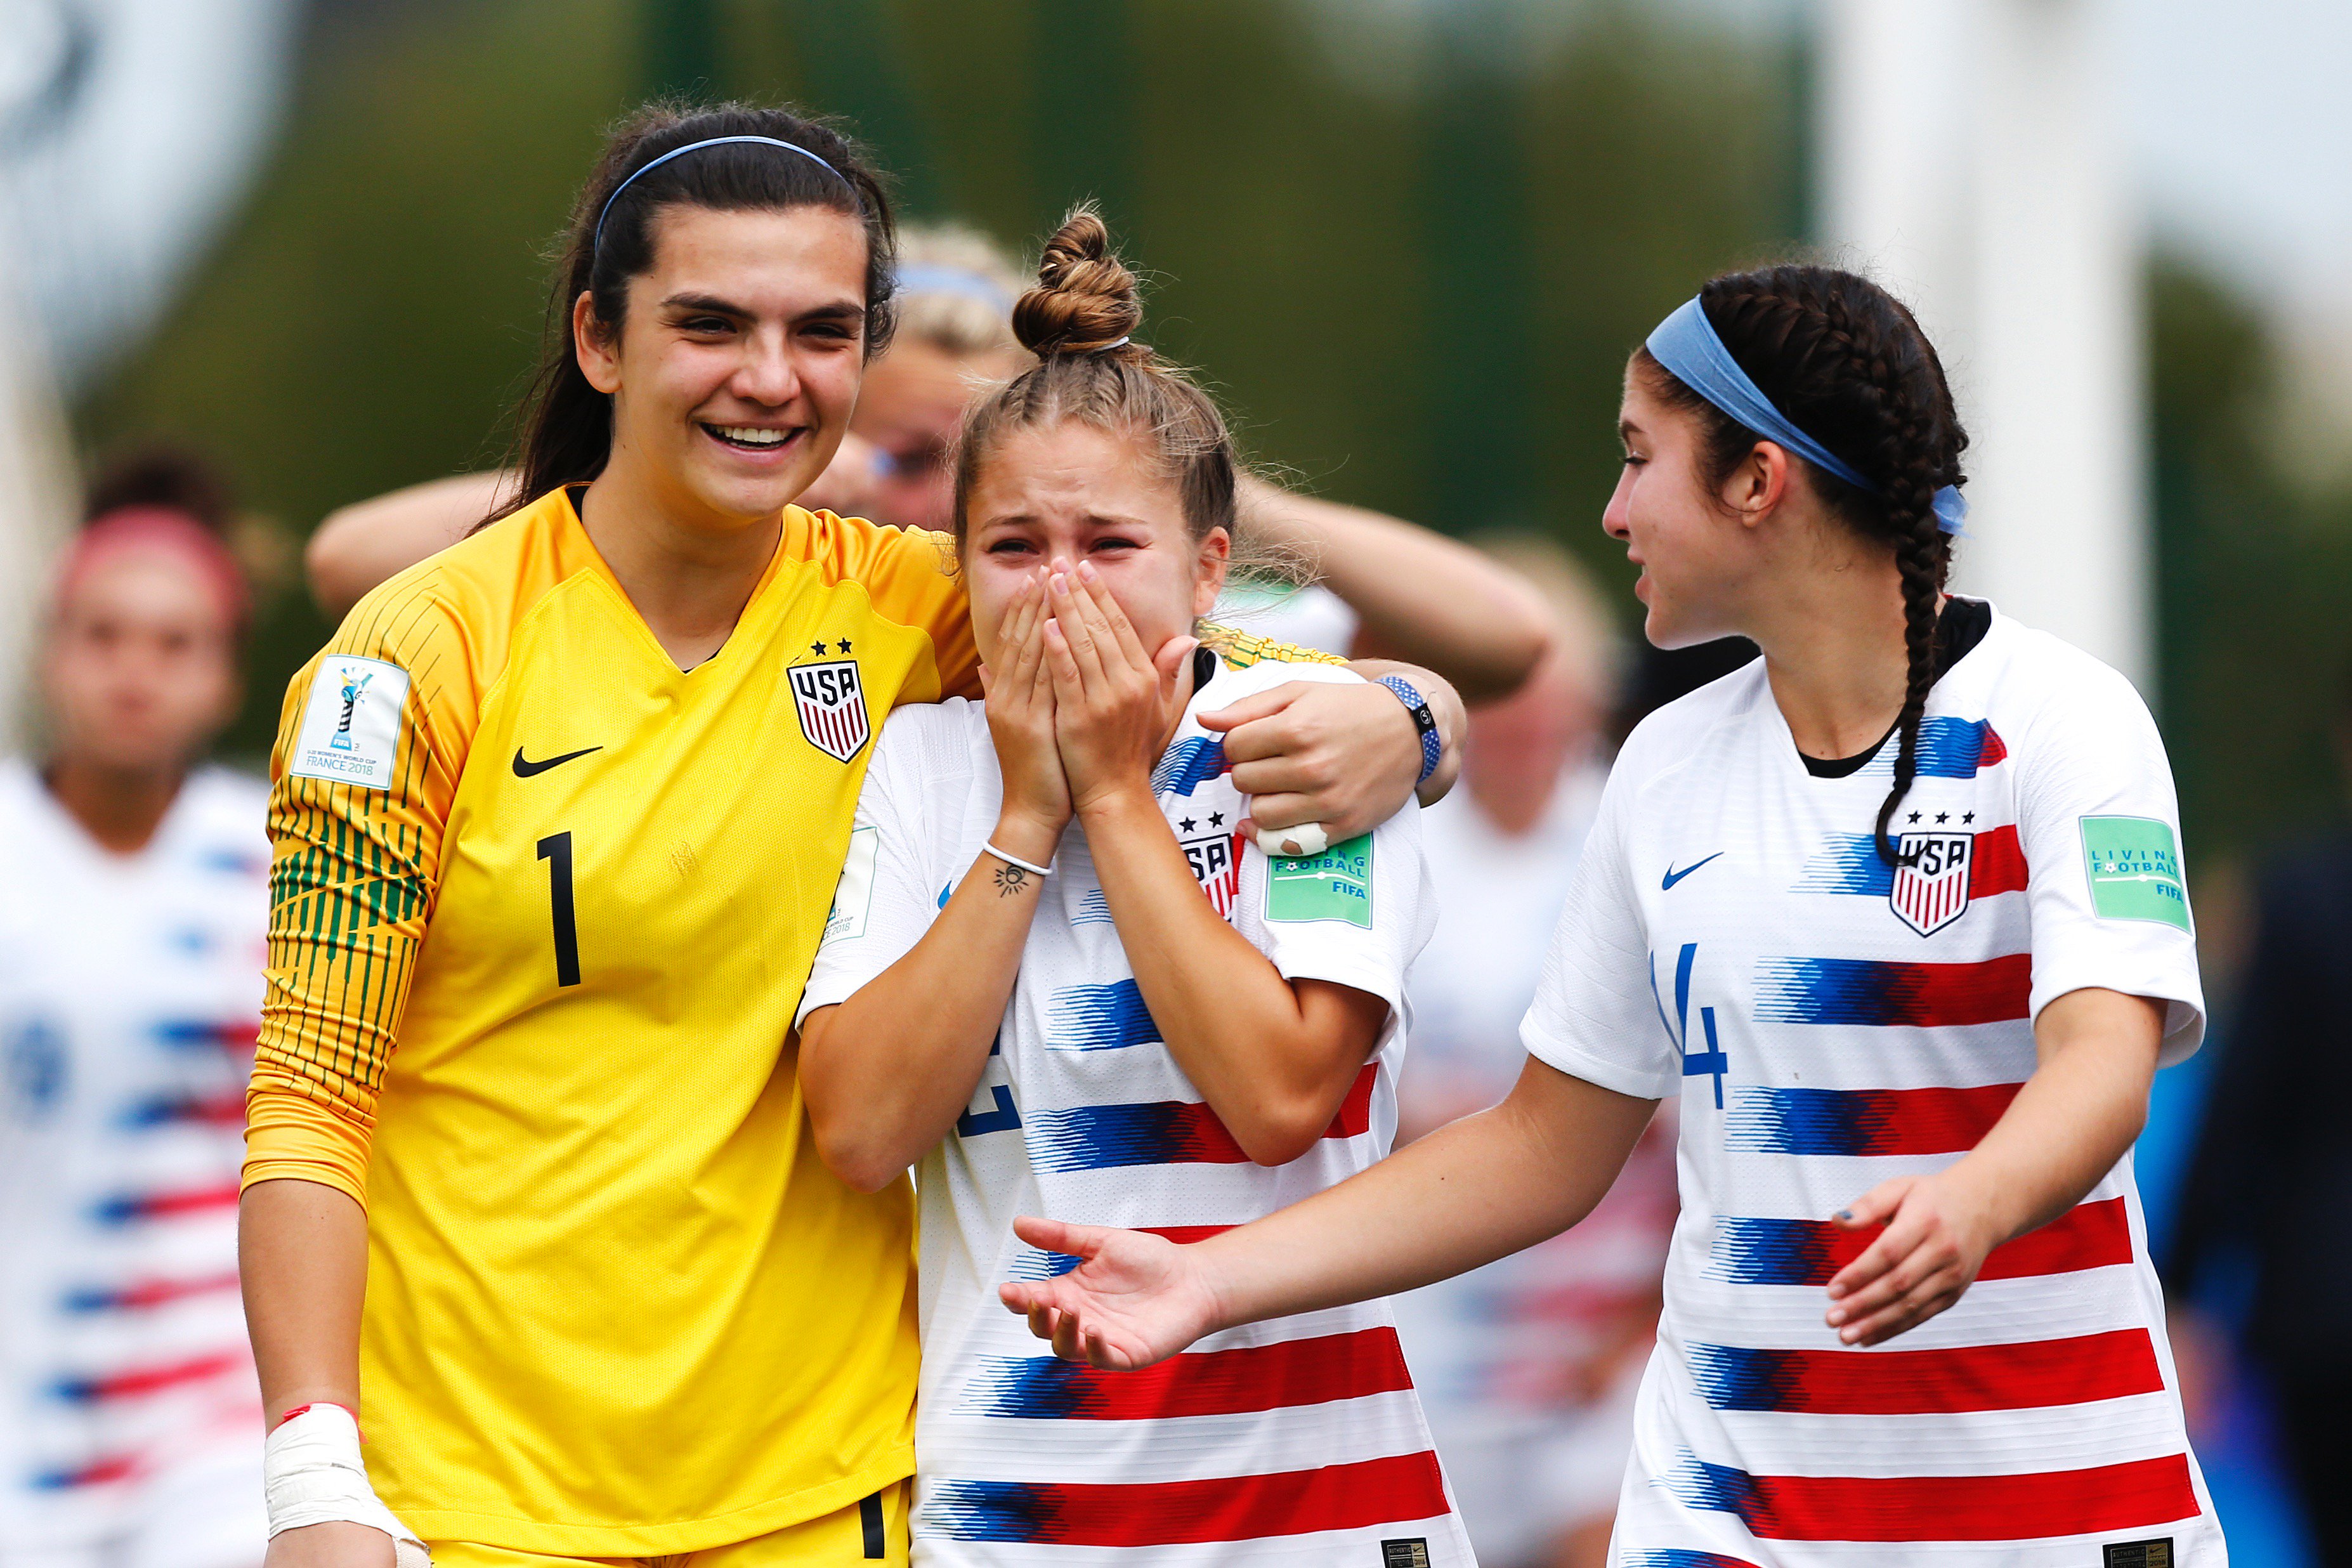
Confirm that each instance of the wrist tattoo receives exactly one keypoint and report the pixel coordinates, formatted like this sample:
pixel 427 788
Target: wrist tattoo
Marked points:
pixel 1011 879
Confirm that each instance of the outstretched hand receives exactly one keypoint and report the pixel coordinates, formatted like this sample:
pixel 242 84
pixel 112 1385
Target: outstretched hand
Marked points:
pixel 1935 1237
pixel 1135 1298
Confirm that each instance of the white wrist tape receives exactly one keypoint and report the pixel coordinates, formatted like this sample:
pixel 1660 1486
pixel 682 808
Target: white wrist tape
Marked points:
pixel 311 1474
pixel 1306 838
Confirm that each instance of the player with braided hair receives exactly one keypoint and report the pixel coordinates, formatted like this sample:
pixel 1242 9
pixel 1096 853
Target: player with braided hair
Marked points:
pixel 1911 1004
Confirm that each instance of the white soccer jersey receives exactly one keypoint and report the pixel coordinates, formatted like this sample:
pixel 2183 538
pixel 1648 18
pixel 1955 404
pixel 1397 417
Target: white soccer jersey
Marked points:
pixel 1293 1442
pixel 130 992
pixel 1829 1023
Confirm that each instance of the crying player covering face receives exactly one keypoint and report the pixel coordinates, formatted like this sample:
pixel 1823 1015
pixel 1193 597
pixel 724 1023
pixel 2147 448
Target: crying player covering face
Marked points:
pixel 1060 974
pixel 557 817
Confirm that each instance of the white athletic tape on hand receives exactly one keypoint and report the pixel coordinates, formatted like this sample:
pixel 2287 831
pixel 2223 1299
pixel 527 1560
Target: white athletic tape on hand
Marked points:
pixel 312 1473
pixel 1306 838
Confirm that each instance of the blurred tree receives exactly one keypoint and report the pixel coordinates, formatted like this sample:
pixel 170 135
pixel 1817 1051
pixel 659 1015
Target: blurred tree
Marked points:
pixel 682 46
pixel 2253 578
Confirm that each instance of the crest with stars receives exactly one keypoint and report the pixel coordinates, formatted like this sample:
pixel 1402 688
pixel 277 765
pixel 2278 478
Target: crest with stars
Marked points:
pixel 1213 850
pixel 831 702
pixel 1931 874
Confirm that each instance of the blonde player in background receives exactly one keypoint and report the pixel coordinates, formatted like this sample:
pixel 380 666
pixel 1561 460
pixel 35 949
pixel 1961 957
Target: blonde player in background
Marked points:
pixel 1060 976
pixel 558 817
pixel 1897 911
pixel 133 897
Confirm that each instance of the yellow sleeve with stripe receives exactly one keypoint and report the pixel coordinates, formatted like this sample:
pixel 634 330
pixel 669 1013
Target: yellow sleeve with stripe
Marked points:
pixel 354 868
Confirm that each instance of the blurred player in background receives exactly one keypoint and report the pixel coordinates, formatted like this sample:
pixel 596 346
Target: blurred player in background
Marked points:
pixel 1528 1366
pixel 133 899
pixel 953 341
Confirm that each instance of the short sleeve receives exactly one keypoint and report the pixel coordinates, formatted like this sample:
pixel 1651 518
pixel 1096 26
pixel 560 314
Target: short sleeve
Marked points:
pixel 1595 1015
pixel 2100 827
pixel 372 736
pixel 1356 915
pixel 889 891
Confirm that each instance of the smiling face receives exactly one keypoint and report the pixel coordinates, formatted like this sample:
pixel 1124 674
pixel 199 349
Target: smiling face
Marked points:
pixel 139 670
pixel 1072 490
pixel 1697 552
pixel 737 363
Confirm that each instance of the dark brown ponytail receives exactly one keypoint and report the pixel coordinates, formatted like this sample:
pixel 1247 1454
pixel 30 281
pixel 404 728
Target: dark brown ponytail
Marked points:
pixel 565 430
pixel 1847 362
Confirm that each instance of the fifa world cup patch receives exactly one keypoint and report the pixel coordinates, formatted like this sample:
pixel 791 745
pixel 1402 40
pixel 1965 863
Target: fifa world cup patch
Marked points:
pixel 351 722
pixel 2155 1553
pixel 831 702
pixel 1336 885
pixel 2134 866
pixel 853 896
pixel 1412 1553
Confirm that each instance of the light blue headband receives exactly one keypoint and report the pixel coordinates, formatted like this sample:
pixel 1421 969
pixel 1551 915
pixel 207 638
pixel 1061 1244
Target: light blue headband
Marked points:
pixel 933 277
pixel 718 141
pixel 1688 345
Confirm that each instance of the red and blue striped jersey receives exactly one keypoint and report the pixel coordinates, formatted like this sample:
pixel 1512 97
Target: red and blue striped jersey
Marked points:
pixel 1829 1021
pixel 1298 1441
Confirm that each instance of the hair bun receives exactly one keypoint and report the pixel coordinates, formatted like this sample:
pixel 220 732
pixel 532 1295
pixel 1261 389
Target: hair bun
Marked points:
pixel 1086 299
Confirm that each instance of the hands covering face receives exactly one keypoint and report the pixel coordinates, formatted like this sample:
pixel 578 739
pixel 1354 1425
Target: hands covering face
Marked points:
pixel 1081 712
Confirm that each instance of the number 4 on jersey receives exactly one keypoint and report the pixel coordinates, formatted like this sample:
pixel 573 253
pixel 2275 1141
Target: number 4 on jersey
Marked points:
pixel 1711 1062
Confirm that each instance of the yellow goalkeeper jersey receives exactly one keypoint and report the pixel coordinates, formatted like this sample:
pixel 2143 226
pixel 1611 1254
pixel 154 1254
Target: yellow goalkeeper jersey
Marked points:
pixel 616 1306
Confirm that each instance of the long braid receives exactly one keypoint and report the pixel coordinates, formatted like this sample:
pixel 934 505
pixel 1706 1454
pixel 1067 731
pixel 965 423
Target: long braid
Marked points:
pixel 1921 563
pixel 1849 364
pixel 1910 461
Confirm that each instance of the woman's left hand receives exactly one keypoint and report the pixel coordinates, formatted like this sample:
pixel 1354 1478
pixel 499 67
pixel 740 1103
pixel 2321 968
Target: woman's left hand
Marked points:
pixel 1346 756
pixel 1939 1230
pixel 1114 704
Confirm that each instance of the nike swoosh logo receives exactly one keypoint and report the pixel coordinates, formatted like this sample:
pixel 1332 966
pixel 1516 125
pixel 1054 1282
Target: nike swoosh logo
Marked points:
pixel 1673 876
pixel 525 768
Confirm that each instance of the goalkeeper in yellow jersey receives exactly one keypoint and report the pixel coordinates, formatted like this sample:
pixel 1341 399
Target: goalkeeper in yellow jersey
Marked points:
pixel 558 817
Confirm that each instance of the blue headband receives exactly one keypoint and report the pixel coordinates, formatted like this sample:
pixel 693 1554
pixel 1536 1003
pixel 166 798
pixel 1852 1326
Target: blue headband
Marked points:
pixel 962 282
pixel 606 211
pixel 1688 346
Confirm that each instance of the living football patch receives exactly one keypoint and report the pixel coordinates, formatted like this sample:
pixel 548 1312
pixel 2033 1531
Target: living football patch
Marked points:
pixel 1336 885
pixel 2134 864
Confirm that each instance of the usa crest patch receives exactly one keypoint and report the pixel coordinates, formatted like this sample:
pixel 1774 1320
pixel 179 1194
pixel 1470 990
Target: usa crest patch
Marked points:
pixel 832 707
pixel 1931 880
pixel 1216 864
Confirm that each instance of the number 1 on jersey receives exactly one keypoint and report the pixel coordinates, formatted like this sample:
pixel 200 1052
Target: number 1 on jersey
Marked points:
pixel 556 850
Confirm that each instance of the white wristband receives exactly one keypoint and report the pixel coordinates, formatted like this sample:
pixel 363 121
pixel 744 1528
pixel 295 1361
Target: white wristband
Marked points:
pixel 311 1474
pixel 1306 838
pixel 1029 866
